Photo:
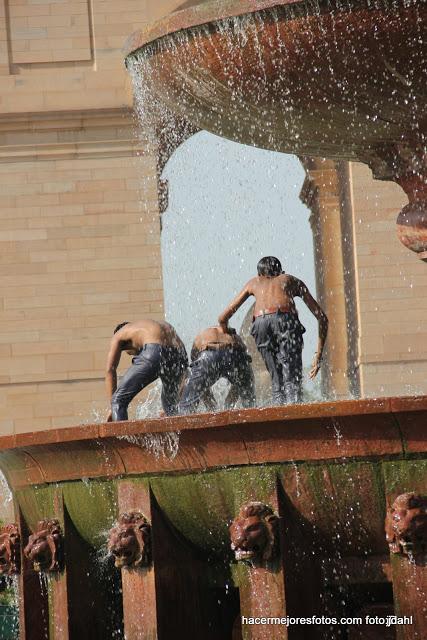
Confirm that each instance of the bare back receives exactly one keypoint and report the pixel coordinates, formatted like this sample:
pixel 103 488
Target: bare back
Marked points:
pixel 273 292
pixel 215 336
pixel 149 332
pixel 278 292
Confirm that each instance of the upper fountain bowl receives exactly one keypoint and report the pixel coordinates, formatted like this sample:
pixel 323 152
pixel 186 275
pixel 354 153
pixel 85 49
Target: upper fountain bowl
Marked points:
pixel 324 77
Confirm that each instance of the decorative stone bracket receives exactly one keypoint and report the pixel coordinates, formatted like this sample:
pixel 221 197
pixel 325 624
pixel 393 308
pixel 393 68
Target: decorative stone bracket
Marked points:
pixel 255 533
pixel 45 548
pixel 10 550
pixel 130 541
pixel 406 164
pixel 406 525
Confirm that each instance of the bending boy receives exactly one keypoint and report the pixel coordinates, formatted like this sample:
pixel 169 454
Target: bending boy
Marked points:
pixel 157 352
pixel 218 354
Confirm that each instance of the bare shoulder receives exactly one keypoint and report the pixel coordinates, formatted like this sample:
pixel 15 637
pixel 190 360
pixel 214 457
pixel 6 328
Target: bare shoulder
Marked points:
pixel 252 284
pixel 124 333
pixel 294 285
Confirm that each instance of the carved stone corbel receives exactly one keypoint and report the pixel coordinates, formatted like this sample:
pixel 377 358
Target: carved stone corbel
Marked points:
pixel 255 533
pixel 406 525
pixel 10 550
pixel 45 547
pixel 130 541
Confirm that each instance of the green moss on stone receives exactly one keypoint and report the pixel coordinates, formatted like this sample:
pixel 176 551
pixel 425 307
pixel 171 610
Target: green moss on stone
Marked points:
pixel 92 506
pixel 201 506
pixel 402 476
pixel 37 503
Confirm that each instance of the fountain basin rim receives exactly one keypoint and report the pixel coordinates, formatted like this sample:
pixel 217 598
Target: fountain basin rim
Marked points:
pixel 372 429
pixel 195 17
pixel 382 405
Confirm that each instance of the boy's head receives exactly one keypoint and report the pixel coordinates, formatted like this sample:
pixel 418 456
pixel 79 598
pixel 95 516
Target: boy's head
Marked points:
pixel 269 266
pixel 119 326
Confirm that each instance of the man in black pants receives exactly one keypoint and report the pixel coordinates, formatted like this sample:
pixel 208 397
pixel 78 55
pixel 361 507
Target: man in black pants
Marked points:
pixel 217 354
pixel 277 329
pixel 158 353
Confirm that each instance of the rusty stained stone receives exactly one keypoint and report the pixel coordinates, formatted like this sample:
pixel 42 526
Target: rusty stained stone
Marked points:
pixel 321 431
pixel 410 597
pixel 45 547
pixel 10 549
pixel 408 167
pixel 237 78
pixel 175 597
pixel 254 534
pixel 336 509
pixel 321 439
pixel 406 526
pixel 341 109
pixel 75 460
pixel 129 541
pixel 140 614
pixel 264 584
pixel 34 607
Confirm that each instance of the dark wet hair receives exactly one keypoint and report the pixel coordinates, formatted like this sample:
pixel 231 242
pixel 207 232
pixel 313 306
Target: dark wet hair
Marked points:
pixel 269 266
pixel 119 326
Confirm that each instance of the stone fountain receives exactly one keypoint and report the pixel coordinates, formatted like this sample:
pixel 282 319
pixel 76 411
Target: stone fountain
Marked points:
pixel 189 523
pixel 178 527
pixel 342 80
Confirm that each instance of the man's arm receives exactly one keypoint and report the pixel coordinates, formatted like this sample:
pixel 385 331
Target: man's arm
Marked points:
pixel 113 360
pixel 322 319
pixel 232 307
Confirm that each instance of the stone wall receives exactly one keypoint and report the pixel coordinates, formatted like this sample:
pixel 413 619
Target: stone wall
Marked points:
pixel 372 288
pixel 391 292
pixel 79 252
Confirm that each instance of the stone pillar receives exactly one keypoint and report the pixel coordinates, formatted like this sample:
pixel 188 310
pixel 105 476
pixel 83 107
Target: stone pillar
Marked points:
pixel 324 192
pixel 262 595
pixel 33 597
pixel 262 587
pixel 406 534
pixel 174 596
pixel 65 602
pixel 410 597
pixel 139 613
pixel 4 39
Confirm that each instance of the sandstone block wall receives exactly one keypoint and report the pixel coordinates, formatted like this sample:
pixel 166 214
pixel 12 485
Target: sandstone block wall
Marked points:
pixel 79 252
pixel 391 292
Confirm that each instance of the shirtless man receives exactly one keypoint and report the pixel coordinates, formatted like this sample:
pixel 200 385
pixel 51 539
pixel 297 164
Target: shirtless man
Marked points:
pixel 157 352
pixel 218 354
pixel 277 329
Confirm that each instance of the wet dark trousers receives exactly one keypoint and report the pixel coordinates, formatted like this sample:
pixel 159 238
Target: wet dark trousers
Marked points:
pixel 152 362
pixel 278 337
pixel 209 367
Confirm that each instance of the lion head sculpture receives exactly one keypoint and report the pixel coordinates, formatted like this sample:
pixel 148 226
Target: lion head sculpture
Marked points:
pixel 130 541
pixel 254 533
pixel 10 550
pixel 406 524
pixel 45 546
